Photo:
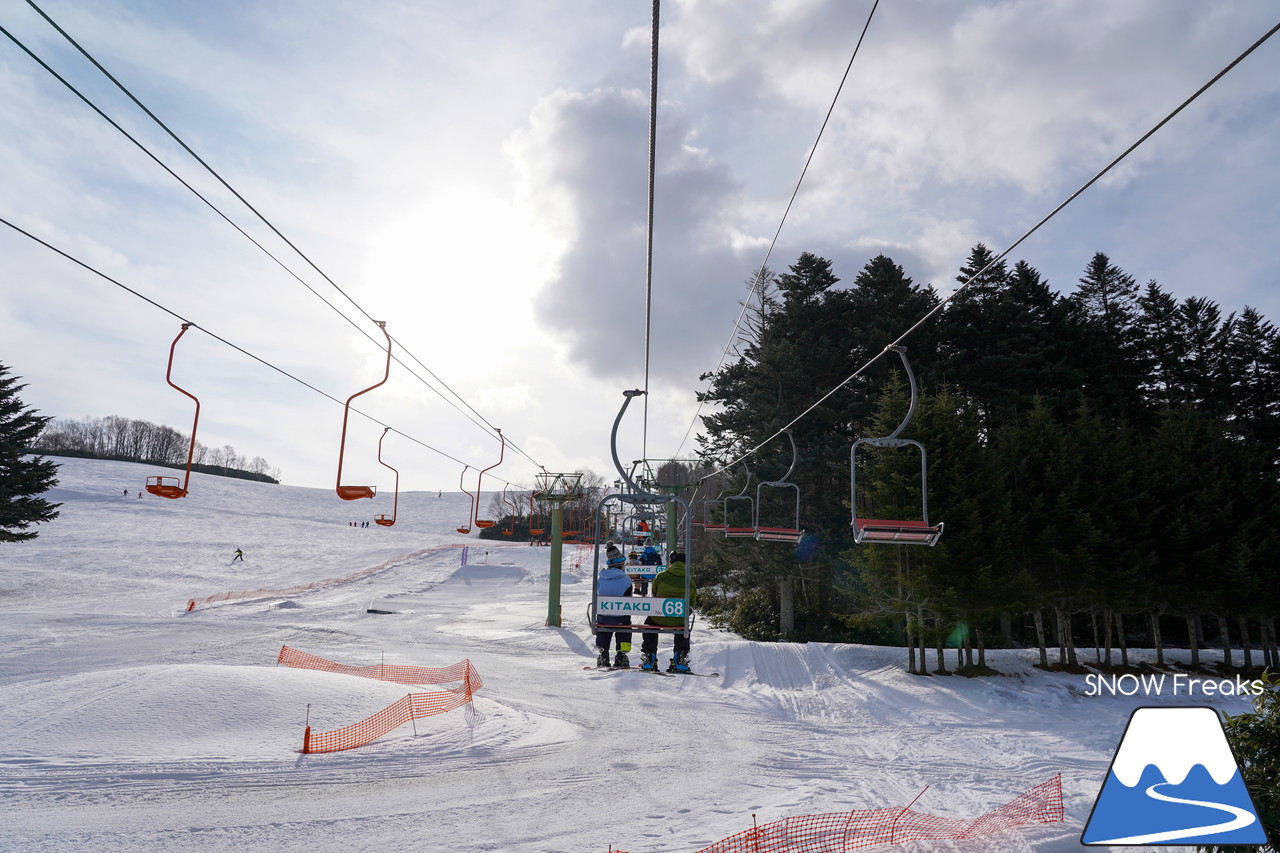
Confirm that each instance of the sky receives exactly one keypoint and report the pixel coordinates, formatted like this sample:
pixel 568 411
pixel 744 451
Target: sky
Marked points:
pixel 476 176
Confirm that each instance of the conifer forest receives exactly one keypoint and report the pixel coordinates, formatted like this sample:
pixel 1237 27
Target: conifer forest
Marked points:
pixel 1104 462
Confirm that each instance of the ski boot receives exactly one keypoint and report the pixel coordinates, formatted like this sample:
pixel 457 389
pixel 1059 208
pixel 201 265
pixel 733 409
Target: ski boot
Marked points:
pixel 602 660
pixel 620 661
pixel 649 661
pixel 679 663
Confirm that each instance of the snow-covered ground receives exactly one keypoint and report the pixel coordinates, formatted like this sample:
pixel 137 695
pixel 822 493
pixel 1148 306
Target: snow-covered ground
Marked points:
pixel 128 724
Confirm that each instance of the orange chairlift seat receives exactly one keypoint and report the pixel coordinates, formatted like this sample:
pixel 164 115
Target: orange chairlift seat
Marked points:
pixel 395 499
pixel 895 532
pixel 480 522
pixel 354 493
pixel 778 533
pixel 465 527
pixel 167 487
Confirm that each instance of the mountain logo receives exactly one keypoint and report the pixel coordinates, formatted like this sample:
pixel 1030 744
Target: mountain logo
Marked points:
pixel 1174 780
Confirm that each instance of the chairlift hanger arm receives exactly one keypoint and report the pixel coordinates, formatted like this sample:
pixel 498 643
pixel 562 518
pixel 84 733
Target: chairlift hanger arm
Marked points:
pixel 911 378
pixel 348 493
pixel 158 487
pixel 480 482
pixel 613 439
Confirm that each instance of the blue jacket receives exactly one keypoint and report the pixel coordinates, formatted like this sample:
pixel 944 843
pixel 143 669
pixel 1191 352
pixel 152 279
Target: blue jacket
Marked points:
pixel 613 582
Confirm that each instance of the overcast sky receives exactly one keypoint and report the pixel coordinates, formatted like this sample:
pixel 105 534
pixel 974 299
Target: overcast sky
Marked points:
pixel 475 174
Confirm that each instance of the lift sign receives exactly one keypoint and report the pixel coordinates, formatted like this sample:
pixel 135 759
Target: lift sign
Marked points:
pixel 625 605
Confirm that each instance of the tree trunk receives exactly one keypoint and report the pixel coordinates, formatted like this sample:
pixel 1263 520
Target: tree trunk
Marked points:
pixel 1038 616
pixel 1106 634
pixel 1097 644
pixel 1067 654
pixel 982 648
pixel 1006 631
pixel 920 635
pixel 1193 640
pixel 1156 639
pixel 786 609
pixel 1124 643
pixel 1225 636
pixel 911 645
pixel 939 642
pixel 1244 643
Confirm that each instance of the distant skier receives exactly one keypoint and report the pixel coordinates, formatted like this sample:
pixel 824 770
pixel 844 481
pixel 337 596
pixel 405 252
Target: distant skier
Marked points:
pixel 613 581
pixel 669 584
pixel 239 557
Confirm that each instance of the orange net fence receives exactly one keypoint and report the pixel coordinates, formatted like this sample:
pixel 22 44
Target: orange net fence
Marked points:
pixel 460 671
pixel 414 706
pixel 193 603
pixel 864 828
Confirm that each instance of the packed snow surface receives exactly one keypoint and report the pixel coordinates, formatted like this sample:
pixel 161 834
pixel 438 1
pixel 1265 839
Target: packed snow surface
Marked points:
pixel 129 724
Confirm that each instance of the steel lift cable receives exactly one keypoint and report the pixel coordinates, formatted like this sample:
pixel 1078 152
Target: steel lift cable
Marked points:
pixel 246 203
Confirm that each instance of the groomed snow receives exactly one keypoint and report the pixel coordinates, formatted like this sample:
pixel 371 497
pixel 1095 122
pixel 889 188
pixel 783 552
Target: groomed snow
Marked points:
pixel 128 724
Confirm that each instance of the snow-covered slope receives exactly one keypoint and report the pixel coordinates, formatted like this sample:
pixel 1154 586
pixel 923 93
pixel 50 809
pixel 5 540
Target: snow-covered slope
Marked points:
pixel 127 724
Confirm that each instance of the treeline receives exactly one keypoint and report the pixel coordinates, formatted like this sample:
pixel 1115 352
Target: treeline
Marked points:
pixel 1105 463
pixel 128 440
pixel 516 516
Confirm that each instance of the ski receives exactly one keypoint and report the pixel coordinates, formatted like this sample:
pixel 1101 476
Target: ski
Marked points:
pixel 628 669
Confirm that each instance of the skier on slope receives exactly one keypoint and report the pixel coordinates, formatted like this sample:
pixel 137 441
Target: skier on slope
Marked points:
pixel 669 584
pixel 613 581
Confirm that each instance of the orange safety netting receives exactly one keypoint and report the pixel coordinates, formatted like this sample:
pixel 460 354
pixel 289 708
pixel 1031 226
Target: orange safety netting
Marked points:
pixel 193 603
pixel 863 828
pixel 415 706
pixel 460 671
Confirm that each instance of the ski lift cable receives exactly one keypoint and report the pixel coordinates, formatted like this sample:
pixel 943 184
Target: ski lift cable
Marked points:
pixel 941 304
pixel 255 242
pixel 261 247
pixel 648 261
pixel 247 204
pixel 220 339
pixel 757 284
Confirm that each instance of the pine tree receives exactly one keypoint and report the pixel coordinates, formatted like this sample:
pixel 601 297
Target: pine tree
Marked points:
pixel 1112 353
pixel 22 480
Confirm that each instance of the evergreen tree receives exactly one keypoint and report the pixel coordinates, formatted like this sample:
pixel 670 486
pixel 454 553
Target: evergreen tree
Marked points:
pixel 1004 340
pixel 1252 370
pixel 22 480
pixel 1110 349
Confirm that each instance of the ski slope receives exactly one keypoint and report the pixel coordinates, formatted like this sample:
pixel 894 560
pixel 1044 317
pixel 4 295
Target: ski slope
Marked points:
pixel 128 724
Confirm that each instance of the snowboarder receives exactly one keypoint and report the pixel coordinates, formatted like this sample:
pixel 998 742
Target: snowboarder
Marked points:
pixel 613 581
pixel 669 584
pixel 239 557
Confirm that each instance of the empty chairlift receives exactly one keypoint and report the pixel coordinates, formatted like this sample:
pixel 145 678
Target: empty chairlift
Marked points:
pixel 769 526
pixel 353 493
pixel 167 487
pixel 395 498
pixel 899 531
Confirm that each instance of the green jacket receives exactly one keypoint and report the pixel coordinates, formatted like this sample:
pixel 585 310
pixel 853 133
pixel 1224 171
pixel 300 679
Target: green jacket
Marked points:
pixel 670 584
